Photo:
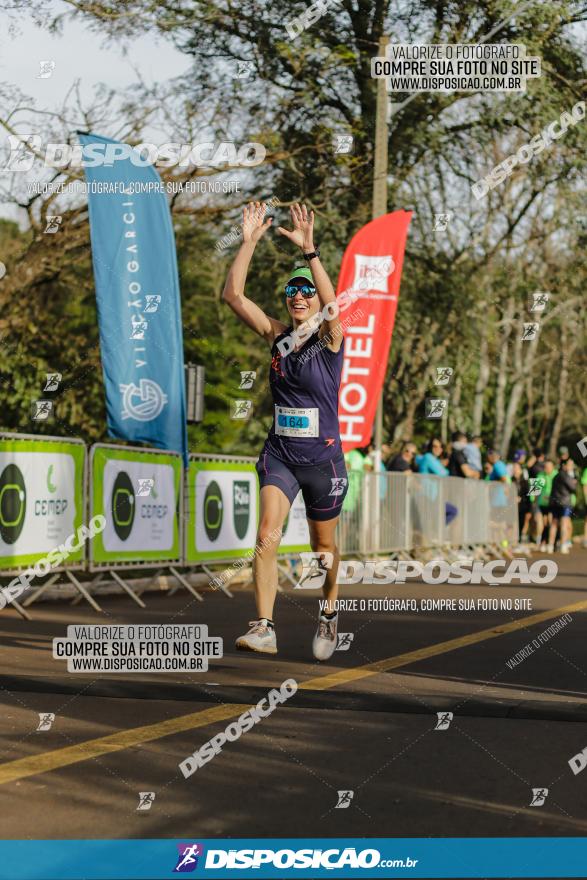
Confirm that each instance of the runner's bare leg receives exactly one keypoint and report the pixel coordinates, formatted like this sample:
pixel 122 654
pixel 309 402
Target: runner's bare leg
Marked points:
pixel 322 540
pixel 274 509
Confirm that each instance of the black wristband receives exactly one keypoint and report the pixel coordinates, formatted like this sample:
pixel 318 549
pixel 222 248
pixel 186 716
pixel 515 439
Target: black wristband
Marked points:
pixel 311 256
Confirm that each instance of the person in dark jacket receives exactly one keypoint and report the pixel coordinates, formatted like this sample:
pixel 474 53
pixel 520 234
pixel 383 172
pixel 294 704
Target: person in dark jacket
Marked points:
pixel 457 463
pixel 561 505
pixel 404 460
pixel 524 501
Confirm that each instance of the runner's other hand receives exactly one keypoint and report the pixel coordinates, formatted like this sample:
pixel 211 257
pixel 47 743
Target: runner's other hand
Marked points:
pixel 303 228
pixel 253 225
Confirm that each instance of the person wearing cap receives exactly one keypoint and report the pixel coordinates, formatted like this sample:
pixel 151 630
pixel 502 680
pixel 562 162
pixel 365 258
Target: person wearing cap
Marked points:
pixel 519 458
pixel 303 450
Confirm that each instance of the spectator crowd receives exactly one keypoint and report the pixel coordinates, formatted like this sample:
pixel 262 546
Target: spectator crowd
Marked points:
pixel 547 490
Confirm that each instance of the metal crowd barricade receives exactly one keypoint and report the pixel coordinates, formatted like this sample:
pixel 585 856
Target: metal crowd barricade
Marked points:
pixel 427 511
pixel 454 500
pixel 189 511
pixel 383 513
pixel 395 516
pixel 476 523
pixel 349 525
pixel 66 567
pixel 394 512
pixel 376 516
pixel 503 513
pixel 114 563
pixel 235 558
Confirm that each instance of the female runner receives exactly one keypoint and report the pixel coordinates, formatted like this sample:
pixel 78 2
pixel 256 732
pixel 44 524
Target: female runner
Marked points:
pixel 303 449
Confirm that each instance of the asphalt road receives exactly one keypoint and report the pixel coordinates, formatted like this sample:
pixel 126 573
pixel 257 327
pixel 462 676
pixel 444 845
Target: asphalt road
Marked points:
pixel 364 722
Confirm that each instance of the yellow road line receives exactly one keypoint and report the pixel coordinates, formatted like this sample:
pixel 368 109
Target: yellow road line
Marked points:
pixel 344 676
pixel 115 742
pixel 124 739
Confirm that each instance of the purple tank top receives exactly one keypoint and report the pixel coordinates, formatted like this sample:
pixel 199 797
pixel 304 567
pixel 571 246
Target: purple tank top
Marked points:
pixel 304 387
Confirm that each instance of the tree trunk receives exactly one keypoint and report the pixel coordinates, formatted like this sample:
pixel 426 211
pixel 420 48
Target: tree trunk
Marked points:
pixel 502 370
pixel 561 402
pixel 523 366
pixel 482 380
pixel 455 413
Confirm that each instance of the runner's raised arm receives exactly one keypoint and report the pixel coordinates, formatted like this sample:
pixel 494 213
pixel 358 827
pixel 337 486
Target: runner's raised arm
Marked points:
pixel 254 227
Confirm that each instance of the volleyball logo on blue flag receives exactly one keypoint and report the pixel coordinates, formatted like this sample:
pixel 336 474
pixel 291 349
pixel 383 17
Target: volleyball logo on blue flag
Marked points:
pixel 137 293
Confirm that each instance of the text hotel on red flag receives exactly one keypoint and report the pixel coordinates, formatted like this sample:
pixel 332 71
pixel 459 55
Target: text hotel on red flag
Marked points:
pixel 371 270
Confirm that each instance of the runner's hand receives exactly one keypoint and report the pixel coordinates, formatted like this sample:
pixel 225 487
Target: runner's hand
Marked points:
pixel 253 226
pixel 303 228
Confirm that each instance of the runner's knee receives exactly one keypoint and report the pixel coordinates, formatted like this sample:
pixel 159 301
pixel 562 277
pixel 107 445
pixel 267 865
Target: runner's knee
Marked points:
pixel 321 546
pixel 268 537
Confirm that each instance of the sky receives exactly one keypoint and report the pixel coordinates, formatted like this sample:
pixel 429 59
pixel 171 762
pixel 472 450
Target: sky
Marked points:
pixel 78 54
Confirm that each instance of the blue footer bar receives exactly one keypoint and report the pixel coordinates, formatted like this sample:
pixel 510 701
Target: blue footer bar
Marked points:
pixel 506 857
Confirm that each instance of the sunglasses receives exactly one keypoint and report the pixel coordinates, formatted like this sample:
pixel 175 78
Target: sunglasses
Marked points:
pixel 306 290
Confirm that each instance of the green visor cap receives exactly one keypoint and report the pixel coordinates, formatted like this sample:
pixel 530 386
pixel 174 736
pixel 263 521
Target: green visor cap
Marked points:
pixel 303 272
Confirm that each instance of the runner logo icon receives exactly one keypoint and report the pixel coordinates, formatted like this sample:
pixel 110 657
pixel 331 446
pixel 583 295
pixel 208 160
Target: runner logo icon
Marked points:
pixel 146 487
pixel 187 860
pixel 46 719
pixel 444 719
pixel 315 568
pixel 247 378
pixel 443 375
pixel 344 800
pixel 435 407
pixel 539 301
pixel 344 641
pixel 539 796
pixel 146 800
pixel 338 485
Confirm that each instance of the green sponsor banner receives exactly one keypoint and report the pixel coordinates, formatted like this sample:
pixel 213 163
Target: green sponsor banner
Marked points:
pixel 223 503
pixel 223 513
pixel 41 499
pixel 138 494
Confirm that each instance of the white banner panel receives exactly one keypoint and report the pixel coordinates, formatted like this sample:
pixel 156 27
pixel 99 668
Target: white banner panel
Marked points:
pixel 138 522
pixel 226 510
pixel 40 499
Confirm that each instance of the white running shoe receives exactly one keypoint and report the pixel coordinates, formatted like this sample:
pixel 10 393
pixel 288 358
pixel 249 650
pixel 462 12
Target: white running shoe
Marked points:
pixel 565 548
pixel 549 548
pixel 324 643
pixel 260 638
